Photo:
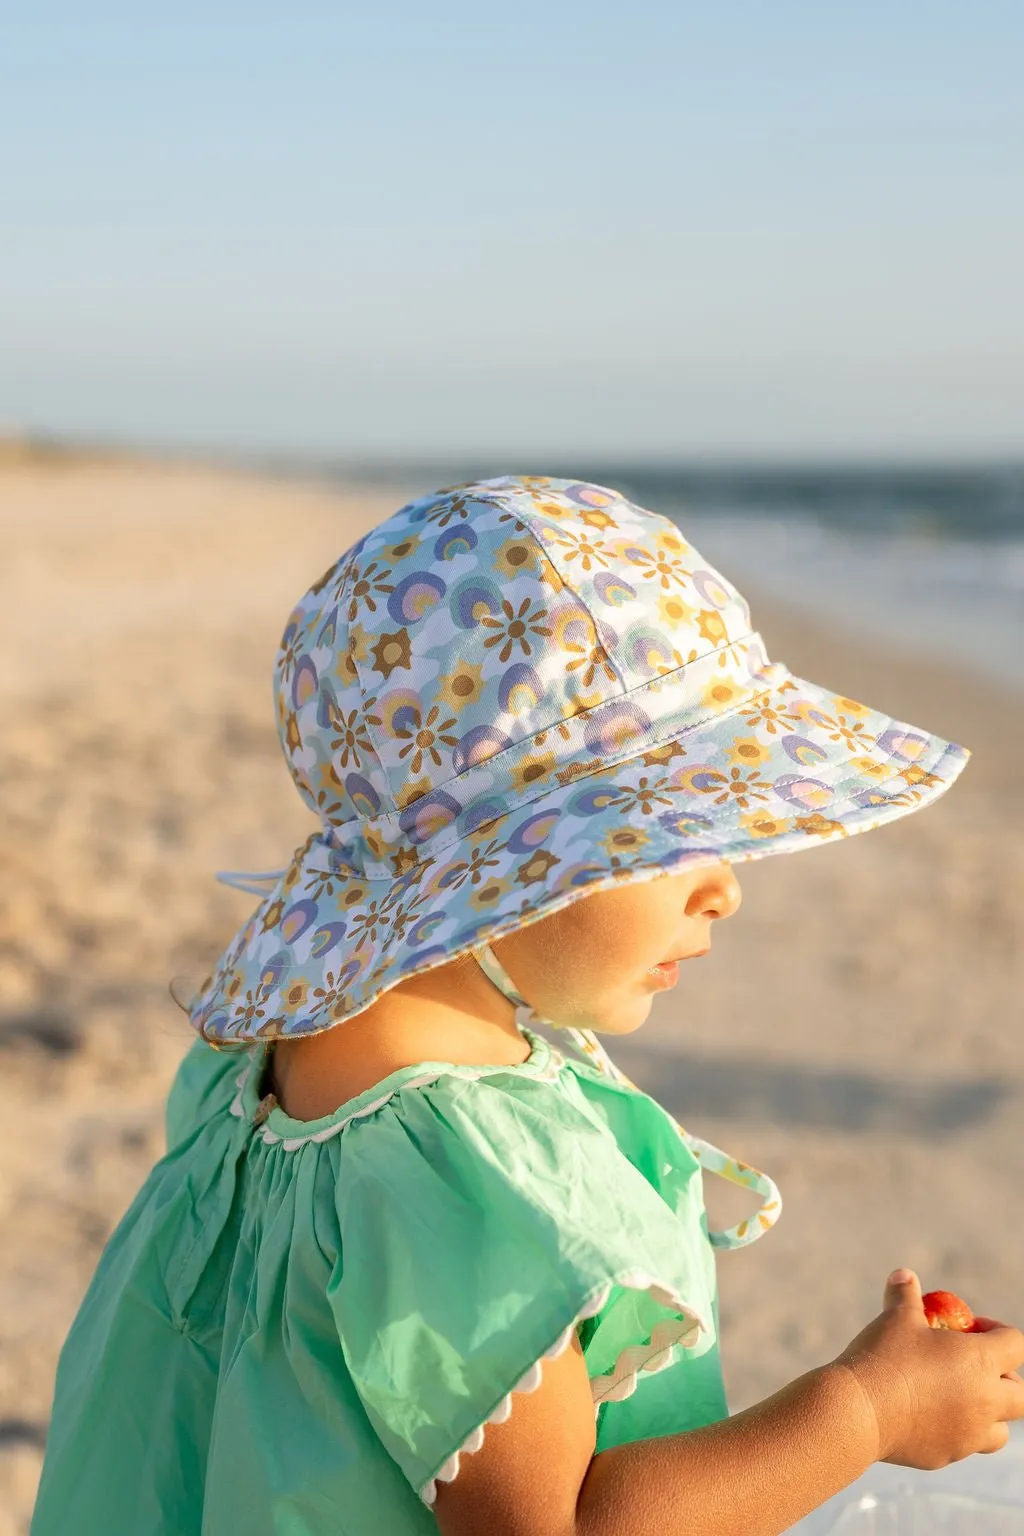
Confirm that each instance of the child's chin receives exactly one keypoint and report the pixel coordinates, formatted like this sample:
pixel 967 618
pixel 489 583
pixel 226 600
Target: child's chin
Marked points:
pixel 626 1020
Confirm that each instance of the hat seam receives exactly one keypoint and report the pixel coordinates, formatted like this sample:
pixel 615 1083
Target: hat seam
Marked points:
pixel 651 683
pixel 730 806
pixel 654 684
pixel 343 582
pixel 541 545
pixel 365 693
pixel 505 501
pixel 629 753
pixel 502 503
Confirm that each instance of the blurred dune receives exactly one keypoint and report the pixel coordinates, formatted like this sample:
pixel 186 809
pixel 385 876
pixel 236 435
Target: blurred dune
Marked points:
pixel 857 1031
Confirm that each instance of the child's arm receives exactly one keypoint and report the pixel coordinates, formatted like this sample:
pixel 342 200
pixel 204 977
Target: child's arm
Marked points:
pixel 754 1474
pixel 901 1392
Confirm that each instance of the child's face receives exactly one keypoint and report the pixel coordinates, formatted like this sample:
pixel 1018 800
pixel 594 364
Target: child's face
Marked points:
pixel 590 965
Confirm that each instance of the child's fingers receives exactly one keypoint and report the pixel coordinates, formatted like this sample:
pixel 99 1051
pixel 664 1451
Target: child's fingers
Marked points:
pixel 984 1326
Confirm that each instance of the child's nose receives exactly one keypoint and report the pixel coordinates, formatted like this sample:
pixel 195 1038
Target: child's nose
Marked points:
pixel 718 895
pixel 730 897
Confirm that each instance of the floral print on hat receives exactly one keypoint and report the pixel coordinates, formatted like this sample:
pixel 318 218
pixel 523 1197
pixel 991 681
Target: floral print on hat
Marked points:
pixel 510 693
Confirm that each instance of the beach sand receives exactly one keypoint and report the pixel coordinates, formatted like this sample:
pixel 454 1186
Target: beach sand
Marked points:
pixel 856 1031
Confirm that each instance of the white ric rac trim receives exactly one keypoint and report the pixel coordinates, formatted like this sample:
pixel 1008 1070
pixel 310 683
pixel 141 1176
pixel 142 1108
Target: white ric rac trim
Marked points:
pixel 292 1143
pixel 616 1385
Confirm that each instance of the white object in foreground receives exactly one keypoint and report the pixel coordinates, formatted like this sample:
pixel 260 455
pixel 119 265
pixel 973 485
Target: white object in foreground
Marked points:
pixel 980 1496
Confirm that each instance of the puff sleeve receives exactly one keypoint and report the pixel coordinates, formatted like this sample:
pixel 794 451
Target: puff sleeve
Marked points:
pixel 479 1224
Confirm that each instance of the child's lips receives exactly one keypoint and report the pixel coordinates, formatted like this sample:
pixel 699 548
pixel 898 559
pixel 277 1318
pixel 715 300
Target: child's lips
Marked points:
pixel 666 972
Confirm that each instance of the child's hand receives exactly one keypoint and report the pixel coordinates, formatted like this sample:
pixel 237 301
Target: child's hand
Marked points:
pixel 936 1395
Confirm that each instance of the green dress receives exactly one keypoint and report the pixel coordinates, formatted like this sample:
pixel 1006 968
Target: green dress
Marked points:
pixel 298 1327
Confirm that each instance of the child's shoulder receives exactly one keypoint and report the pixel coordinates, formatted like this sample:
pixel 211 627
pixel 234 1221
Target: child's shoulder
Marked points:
pixel 549 1141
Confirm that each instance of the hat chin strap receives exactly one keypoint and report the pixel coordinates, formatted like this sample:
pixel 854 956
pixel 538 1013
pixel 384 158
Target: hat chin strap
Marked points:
pixel 585 1041
pixel 496 972
pixel 712 1158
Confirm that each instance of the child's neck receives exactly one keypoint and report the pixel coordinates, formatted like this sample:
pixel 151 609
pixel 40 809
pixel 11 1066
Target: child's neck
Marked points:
pixel 418 1020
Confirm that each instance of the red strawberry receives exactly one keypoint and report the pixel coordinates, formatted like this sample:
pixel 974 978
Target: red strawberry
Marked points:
pixel 944 1309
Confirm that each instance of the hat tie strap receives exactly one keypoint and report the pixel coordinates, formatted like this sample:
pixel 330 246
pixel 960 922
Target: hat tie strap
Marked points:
pixel 707 1154
pixel 256 882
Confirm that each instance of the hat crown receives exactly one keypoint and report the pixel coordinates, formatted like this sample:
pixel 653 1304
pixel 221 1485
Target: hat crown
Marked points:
pixel 521 618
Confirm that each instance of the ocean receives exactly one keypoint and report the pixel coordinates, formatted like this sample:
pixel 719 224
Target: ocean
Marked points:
pixel 931 559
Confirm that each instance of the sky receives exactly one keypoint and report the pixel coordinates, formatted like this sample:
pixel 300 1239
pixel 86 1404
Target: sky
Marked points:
pixel 644 230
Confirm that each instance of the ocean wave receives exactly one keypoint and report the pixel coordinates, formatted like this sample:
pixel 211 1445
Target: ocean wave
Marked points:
pixel 959 598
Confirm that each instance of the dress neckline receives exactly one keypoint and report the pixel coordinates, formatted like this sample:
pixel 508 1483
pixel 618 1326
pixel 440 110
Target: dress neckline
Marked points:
pixel 277 1125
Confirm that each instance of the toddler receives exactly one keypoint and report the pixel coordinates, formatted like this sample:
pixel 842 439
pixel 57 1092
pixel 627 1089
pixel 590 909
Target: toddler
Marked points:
pixel 408 1265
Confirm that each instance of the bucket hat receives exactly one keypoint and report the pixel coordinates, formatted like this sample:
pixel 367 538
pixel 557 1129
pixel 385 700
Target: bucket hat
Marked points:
pixel 507 695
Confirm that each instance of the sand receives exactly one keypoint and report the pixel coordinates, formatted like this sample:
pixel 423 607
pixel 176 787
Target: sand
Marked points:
pixel 856 1031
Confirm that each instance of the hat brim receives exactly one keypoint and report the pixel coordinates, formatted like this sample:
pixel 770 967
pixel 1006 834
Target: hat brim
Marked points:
pixel 794 768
